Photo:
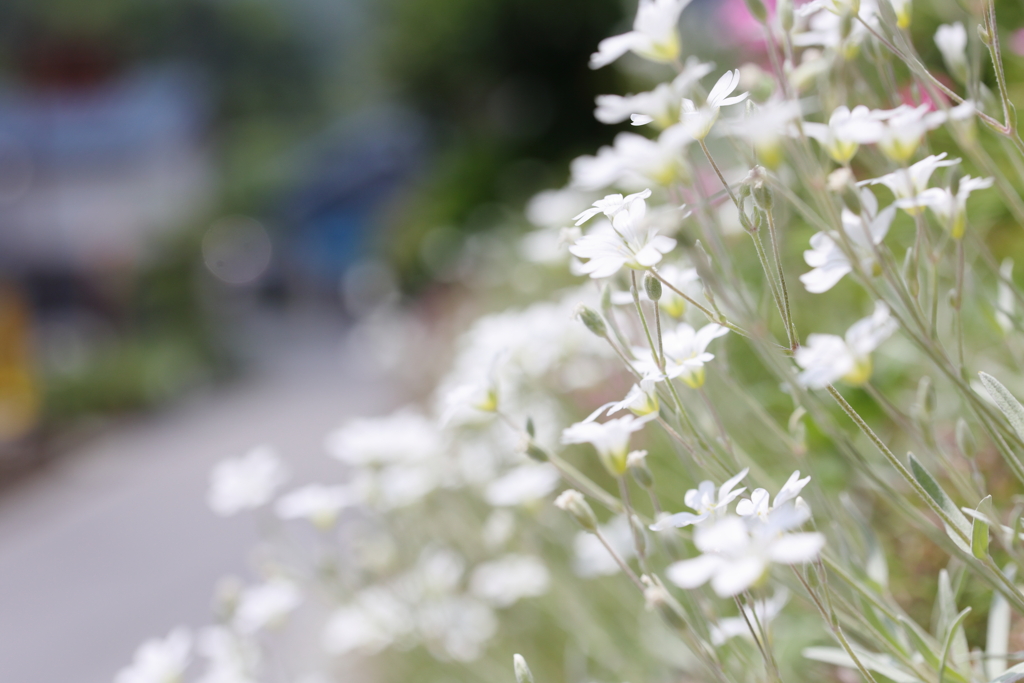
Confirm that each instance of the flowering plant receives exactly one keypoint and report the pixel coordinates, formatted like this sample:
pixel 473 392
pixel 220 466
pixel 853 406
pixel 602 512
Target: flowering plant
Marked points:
pixel 503 520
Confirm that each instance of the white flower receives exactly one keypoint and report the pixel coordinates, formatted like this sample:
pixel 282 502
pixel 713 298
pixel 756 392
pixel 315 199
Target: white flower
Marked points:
pixel 828 259
pixel 903 129
pixel 610 439
pixel 608 250
pixel 459 626
pixel 404 436
pixel 683 279
pixel 845 132
pixel 624 212
pixel 757 505
pixel 160 660
pixel 825 28
pixel 705 501
pixel 498 528
pixel 762 612
pixel 654 35
pixel 699 120
pixel 907 184
pixel 1004 296
pixel 737 554
pixel 659 106
pixel 685 354
pixel 642 399
pixel 246 482
pixel 266 605
pixel 634 162
pixel 229 658
pixel 318 503
pixel 469 403
pixel 507 580
pixel 374 620
pixel 521 485
pixel 951 209
pixel 555 208
pixel 591 558
pixel 827 357
pixel 765 127
pixel 951 39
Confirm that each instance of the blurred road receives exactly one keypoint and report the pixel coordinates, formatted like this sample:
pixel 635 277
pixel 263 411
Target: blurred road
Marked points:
pixel 114 543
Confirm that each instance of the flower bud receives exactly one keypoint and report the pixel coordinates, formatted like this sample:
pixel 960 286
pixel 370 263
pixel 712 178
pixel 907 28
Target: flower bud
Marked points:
pixel 846 24
pixel 985 36
pixel 759 189
pixel 536 452
pixel 926 396
pixel 652 286
pixel 530 429
pixel 636 462
pixel 593 320
pixel 573 502
pixel 523 673
pixel 657 599
pixel 965 439
pixel 758 10
pixel 784 11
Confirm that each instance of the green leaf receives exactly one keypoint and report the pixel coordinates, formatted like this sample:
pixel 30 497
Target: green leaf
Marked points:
pixel 879 663
pixel 997 638
pixel 979 534
pixel 947 626
pixel 955 633
pixel 943 501
pixel 921 640
pixel 1005 401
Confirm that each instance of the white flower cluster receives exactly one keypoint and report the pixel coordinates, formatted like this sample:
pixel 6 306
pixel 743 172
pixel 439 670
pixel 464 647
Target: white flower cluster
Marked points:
pixel 682 238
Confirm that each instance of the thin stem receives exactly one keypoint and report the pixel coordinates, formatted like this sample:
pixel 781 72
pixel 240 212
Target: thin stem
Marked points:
pixel 643 321
pixel 638 543
pixel 619 561
pixel 794 340
pixel 703 309
pixel 657 327
pixel 834 627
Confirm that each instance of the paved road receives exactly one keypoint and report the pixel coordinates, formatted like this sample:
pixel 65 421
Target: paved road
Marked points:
pixel 114 543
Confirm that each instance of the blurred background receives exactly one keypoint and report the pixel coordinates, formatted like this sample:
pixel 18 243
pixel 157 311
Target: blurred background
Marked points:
pixel 224 222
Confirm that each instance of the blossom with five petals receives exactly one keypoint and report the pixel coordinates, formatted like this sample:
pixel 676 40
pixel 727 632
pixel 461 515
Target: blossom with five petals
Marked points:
pixel 828 259
pixel 699 120
pixel 610 439
pixel 828 357
pixel 907 184
pixel 705 501
pixel 659 106
pixel 949 208
pixel 654 35
pixel 685 354
pixel 757 504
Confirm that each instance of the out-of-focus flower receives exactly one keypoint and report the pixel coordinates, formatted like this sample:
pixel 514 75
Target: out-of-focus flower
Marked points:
pixel 659 106
pixel 610 439
pixel 763 612
pixel 457 626
pixel 685 354
pixel 683 279
pixel 229 658
pixel 765 127
pixel 607 251
pixel 951 39
pixel 903 128
pixel 949 208
pixel 634 162
pixel 757 504
pixel 404 436
pixel 470 402
pixel 507 580
pixel 160 660
pixel 521 485
pixel 828 259
pixel 827 357
pixel 318 503
pixel 845 132
pixel 246 482
pixel 705 501
pixel 372 622
pixel 654 36
pixel 736 554
pixel 591 558
pixel 698 120
pixel 907 184
pixel 266 605
pixel 825 27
